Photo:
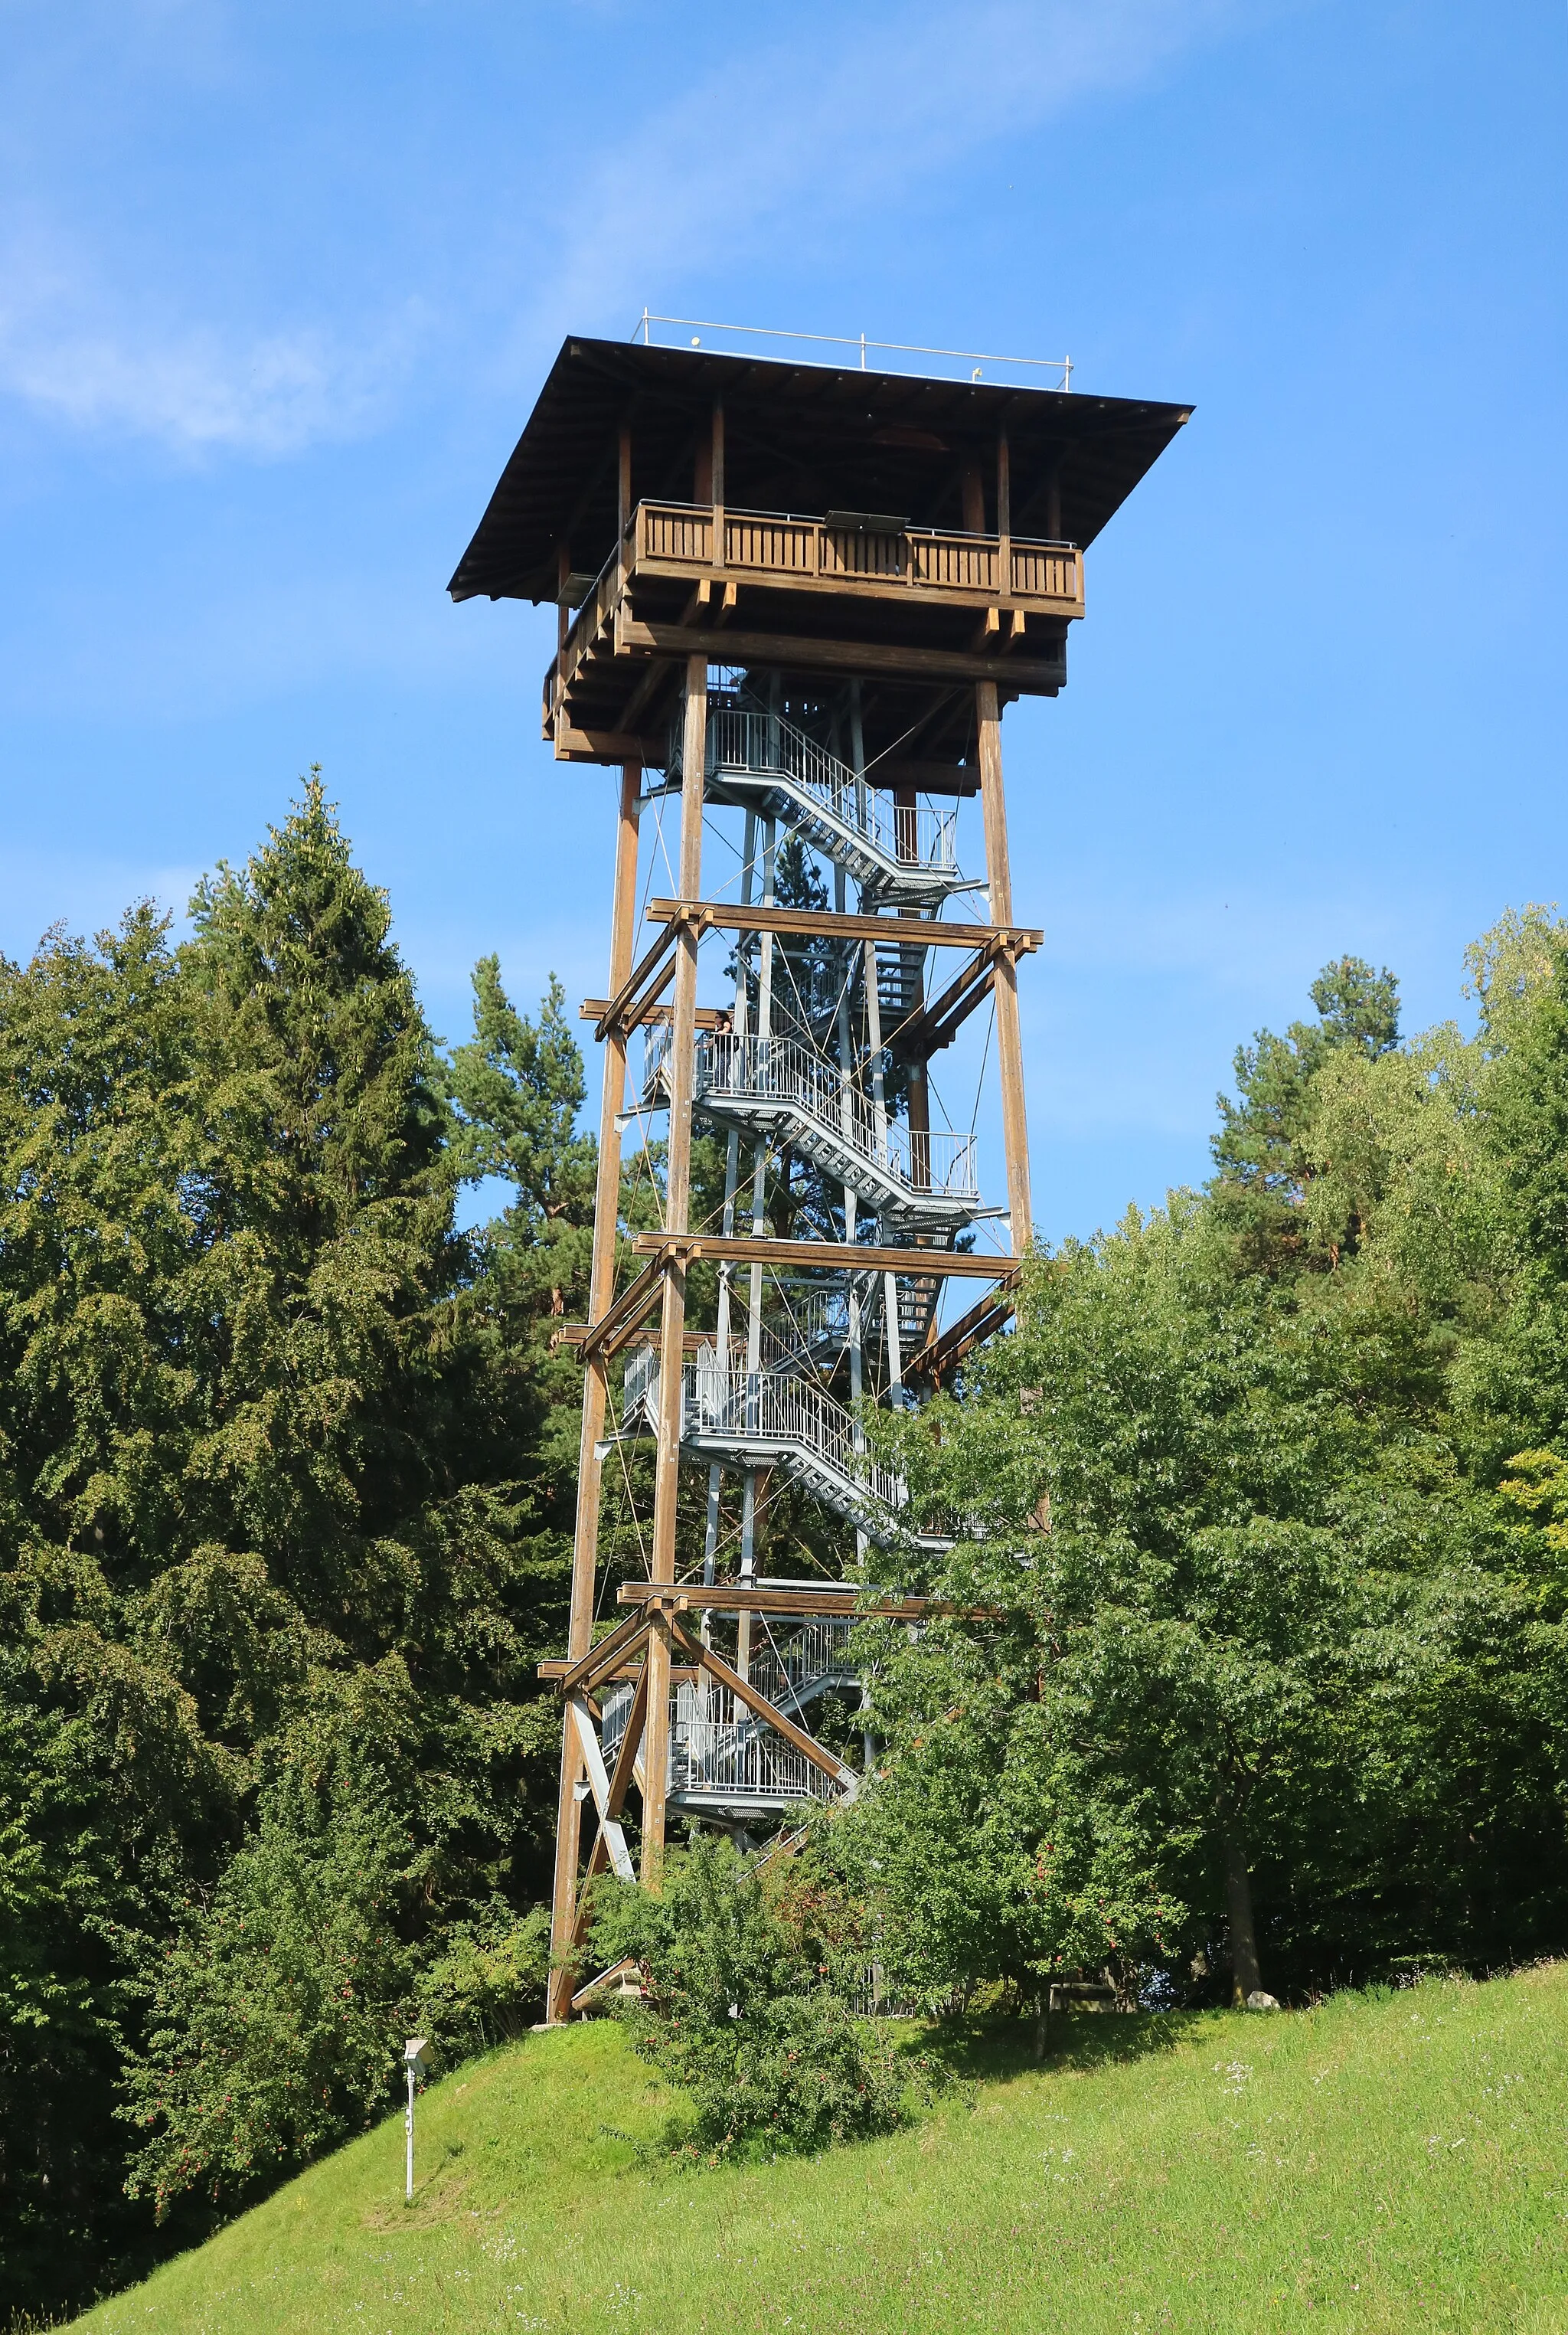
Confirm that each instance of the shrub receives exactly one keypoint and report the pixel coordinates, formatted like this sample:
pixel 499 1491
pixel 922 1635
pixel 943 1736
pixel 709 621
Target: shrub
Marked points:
pixel 278 2013
pixel 734 2012
pixel 488 1985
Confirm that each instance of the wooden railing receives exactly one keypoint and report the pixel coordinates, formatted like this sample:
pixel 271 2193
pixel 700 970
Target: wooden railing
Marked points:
pixel 987 571
pixel 764 543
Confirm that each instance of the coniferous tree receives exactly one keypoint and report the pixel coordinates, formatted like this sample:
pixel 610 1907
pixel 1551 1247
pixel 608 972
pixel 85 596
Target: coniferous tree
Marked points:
pixel 273 1534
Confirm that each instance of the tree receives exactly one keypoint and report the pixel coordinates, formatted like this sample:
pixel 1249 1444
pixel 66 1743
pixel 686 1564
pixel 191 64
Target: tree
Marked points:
pixel 279 2004
pixel 1192 1614
pixel 266 1483
pixel 1262 1170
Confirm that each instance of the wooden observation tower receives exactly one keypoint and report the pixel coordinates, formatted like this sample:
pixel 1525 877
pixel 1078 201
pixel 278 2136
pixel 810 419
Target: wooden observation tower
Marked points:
pixel 794 602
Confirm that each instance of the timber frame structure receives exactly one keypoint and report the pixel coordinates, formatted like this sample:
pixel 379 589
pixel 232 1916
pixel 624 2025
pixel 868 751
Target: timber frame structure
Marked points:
pixel 801 596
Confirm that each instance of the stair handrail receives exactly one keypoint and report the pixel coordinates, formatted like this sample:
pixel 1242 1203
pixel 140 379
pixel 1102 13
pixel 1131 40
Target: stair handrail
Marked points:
pixel 781 1407
pixel 760 743
pixel 783 1070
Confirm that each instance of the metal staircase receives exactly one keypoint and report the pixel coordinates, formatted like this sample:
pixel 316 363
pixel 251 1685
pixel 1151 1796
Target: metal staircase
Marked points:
pixel 760 1404
pixel 778 1089
pixel 773 1418
pixel 898 855
pixel 723 1759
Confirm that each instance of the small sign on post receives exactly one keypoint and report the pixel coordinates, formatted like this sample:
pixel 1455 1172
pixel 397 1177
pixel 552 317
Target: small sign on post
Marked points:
pixel 416 2056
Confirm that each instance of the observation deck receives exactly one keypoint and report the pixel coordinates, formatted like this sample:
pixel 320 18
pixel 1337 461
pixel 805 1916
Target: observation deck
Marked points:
pixel 923 535
pixel 849 592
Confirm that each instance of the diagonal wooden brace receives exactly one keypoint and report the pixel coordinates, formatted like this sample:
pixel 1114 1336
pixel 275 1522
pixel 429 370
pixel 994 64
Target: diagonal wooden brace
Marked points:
pixel 628 1760
pixel 625 1317
pixel 599 1785
pixel 656 967
pixel 744 1691
pixel 608 1655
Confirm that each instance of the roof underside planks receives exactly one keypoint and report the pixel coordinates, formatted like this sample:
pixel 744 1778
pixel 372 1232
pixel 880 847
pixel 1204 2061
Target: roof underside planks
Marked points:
pixel 797 438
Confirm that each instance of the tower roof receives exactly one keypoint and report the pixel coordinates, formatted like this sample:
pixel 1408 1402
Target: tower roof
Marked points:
pixel 804 437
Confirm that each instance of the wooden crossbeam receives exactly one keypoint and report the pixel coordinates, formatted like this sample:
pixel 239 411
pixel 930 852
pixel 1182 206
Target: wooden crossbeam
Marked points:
pixel 793 655
pixel 598 1009
pixel 824 924
pixel 554 1668
pixel 575 745
pixel 844 1256
pixel 574 1336
pixel 761 1597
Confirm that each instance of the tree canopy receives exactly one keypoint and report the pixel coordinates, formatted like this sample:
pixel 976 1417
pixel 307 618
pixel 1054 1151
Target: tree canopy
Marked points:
pixel 1255 1674
pixel 286 1502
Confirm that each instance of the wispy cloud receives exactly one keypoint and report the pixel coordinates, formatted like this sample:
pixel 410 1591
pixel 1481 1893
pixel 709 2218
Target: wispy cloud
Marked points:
pixel 108 327
pixel 792 136
pixel 84 354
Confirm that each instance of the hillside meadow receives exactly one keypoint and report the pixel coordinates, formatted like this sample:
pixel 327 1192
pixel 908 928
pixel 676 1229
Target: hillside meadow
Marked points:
pixel 1398 2160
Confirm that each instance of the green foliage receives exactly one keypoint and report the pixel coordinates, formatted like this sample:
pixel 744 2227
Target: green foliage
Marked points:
pixel 1287 1657
pixel 987 1847
pixel 275 1478
pixel 278 2006
pixel 1258 1151
pixel 487 1986
pixel 736 2013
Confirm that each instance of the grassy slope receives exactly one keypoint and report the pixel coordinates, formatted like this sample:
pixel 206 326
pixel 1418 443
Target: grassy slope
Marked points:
pixel 1385 2164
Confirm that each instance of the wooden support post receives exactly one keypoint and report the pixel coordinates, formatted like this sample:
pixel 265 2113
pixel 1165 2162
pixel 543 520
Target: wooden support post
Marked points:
pixel 623 505
pixel 568 1852
pixel 716 480
pixel 563 614
pixel 600 1289
pixel 677 1206
pixel 1004 515
pixel 1009 1039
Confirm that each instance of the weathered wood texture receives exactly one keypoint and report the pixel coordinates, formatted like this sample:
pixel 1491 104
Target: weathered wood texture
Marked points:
pixel 1009 1039
pixel 600 1287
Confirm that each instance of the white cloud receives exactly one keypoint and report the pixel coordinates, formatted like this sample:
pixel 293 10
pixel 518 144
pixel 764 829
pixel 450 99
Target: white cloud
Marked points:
pixel 796 135
pixel 90 357
pixel 106 328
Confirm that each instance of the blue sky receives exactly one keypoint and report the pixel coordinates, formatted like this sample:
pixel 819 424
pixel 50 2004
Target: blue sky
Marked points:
pixel 277 284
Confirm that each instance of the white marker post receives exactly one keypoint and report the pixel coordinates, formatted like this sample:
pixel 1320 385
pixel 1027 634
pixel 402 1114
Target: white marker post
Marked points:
pixel 416 2055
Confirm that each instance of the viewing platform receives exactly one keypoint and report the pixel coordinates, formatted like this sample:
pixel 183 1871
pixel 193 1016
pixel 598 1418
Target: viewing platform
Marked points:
pixel 852 591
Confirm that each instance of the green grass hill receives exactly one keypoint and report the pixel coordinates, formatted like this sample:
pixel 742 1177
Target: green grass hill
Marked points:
pixel 1397 2161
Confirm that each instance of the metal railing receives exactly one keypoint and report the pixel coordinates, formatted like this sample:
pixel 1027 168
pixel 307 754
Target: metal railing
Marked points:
pixel 753 1407
pixel 790 1660
pixel 759 744
pixel 715 1749
pixel 719 1746
pixel 724 1401
pixel 971 363
pixel 772 1071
